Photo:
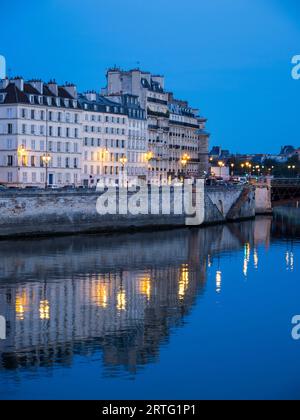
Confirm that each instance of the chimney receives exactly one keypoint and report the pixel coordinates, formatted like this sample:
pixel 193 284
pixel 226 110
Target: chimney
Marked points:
pixel 19 83
pixel 52 86
pixel 4 83
pixel 91 96
pixel 71 89
pixel 38 85
pixel 160 80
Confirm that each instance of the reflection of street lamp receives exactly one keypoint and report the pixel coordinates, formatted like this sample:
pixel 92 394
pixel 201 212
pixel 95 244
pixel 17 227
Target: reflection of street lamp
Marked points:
pixel 46 158
pixel 123 161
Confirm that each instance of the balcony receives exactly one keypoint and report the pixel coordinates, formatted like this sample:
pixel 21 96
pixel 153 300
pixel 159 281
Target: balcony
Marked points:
pixel 158 114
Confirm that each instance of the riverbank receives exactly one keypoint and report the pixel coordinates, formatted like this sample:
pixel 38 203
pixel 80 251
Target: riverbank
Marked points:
pixel 48 213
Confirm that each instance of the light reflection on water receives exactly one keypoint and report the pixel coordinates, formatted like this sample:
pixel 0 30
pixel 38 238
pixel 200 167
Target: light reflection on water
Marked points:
pixel 157 308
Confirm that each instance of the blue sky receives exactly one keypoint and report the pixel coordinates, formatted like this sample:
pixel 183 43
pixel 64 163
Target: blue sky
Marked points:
pixel 230 58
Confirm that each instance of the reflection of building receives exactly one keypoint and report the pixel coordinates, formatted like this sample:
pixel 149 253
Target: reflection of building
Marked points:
pixel 121 296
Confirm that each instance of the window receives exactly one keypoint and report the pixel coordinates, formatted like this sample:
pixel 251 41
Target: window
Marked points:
pixel 33 161
pixel 32 114
pixel 33 177
pixel 75 163
pixel 9 177
pixel 9 128
pixel 10 160
pixel 67 163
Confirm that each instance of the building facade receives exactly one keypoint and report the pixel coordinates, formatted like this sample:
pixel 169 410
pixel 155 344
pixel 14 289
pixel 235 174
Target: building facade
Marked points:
pixel 177 140
pixel 133 132
pixel 40 134
pixel 105 141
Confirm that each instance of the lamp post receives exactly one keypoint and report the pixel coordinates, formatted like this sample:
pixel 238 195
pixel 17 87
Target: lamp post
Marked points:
pixel 221 165
pixel 185 159
pixel 232 169
pixel 123 161
pixel 21 153
pixel 46 158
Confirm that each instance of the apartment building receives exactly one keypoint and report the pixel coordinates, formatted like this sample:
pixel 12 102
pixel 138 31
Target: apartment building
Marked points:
pixel 135 131
pixel 137 145
pixel 177 140
pixel 40 133
pixel 105 141
pixel 152 97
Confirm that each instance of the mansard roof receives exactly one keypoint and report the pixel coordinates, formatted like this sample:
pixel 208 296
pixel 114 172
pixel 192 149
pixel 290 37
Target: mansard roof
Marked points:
pixel 14 95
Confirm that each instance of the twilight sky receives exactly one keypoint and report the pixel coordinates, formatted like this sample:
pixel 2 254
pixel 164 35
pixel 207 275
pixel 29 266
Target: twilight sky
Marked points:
pixel 230 58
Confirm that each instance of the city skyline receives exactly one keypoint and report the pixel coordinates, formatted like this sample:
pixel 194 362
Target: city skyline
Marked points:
pixel 240 76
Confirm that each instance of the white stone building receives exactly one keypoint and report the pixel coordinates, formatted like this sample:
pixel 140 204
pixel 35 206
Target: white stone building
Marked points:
pixel 137 145
pixel 105 138
pixel 40 134
pixel 177 141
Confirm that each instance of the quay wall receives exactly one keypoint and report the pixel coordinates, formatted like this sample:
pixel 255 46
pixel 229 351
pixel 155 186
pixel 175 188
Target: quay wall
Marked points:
pixel 32 213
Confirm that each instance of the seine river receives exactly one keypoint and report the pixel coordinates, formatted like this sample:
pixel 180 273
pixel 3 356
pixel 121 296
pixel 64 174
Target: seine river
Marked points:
pixel 184 314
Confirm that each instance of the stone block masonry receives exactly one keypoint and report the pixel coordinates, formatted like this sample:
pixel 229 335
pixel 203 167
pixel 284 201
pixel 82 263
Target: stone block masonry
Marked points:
pixel 43 213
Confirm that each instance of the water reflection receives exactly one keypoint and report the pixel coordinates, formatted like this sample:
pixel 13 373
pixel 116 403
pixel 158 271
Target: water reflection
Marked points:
pixel 121 295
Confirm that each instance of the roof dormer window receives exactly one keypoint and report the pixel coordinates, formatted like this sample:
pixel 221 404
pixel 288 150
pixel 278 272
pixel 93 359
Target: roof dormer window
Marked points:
pixel 57 102
pixel 66 102
pixel 49 101
pixel 2 97
pixel 40 100
pixel 31 99
pixel 74 104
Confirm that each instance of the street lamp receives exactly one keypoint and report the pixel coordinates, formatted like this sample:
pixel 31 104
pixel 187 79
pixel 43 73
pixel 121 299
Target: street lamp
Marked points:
pixel 185 159
pixel 21 152
pixel 232 169
pixel 46 158
pixel 221 165
pixel 123 161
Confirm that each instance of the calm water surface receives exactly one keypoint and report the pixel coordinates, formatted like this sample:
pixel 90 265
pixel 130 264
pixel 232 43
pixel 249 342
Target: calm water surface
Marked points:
pixel 182 314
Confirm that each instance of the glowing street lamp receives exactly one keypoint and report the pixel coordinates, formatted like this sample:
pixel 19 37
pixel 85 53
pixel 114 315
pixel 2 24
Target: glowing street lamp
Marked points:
pixel 123 161
pixel 221 165
pixel 149 156
pixel 232 168
pixel 46 158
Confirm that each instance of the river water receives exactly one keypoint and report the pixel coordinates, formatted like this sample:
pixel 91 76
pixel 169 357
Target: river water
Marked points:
pixel 183 314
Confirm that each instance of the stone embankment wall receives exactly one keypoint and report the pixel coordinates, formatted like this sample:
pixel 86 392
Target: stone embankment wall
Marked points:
pixel 31 213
